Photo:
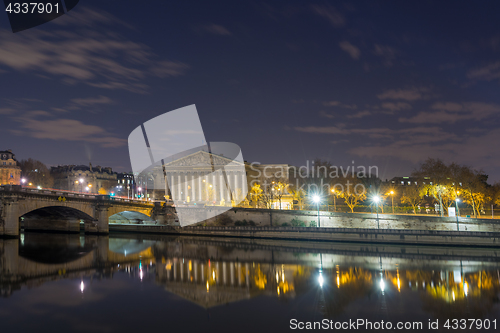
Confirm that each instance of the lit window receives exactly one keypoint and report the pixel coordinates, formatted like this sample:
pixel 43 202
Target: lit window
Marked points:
pixel 402 182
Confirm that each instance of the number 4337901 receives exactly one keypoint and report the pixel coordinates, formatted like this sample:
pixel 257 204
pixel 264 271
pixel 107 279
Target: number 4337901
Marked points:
pixel 32 8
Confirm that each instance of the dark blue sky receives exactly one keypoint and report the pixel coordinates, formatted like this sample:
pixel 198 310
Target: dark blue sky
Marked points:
pixel 381 83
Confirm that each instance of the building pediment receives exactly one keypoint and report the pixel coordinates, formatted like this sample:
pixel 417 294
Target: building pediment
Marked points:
pixel 201 159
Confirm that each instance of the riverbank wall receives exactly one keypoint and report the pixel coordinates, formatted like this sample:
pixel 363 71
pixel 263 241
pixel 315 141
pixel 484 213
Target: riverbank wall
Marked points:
pixel 358 235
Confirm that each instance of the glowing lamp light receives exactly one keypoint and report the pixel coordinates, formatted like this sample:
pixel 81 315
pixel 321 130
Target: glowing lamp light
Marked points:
pixel 23 180
pixel 457 200
pixel 316 198
pixel 382 285
pixel 140 189
pixel 81 180
pixel 82 286
pixel 376 199
pixel 321 280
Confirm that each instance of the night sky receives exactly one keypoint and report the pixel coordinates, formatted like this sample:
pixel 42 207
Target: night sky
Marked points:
pixel 381 83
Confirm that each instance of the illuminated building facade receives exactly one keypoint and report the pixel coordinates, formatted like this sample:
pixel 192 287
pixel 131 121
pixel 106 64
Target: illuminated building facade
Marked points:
pixel 10 172
pixel 82 178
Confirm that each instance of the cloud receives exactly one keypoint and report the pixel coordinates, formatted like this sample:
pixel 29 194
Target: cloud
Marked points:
pixel 217 30
pixel 387 52
pixel 352 50
pixel 339 104
pixel 453 112
pixel 6 111
pixel 168 68
pixel 330 13
pixel 416 134
pixel 67 130
pixel 392 107
pixel 360 114
pixel 488 73
pixel 460 149
pixel 326 114
pixel 92 101
pixel 331 103
pixel 411 94
pixel 99 58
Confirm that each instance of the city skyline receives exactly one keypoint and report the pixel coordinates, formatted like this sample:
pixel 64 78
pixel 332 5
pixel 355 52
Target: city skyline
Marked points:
pixel 287 81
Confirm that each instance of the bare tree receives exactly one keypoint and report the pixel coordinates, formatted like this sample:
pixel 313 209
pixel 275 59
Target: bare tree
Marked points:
pixel 412 195
pixel 36 173
pixel 353 192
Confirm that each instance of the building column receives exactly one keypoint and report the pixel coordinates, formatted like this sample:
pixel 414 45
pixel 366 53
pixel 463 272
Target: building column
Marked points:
pixel 247 274
pixel 185 179
pixel 179 188
pixel 195 264
pixel 231 273
pixel 239 275
pixel 214 187
pixel 193 191
pixel 200 196
pixel 224 269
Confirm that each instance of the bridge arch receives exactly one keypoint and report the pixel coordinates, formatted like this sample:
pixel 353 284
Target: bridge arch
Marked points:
pixel 55 218
pixel 130 217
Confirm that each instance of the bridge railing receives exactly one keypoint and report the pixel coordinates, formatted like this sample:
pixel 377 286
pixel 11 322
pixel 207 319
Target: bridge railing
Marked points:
pixel 67 194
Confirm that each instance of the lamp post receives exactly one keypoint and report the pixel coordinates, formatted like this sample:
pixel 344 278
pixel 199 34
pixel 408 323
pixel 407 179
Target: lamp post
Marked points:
pixel 81 184
pixel 317 199
pixel 140 189
pixel 392 198
pixel 456 214
pixel 334 200
pixel 23 181
pixel 376 199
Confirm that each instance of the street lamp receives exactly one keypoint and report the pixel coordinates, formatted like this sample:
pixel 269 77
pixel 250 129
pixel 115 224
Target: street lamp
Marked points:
pixel 392 198
pixel 334 201
pixel 23 180
pixel 81 184
pixel 376 199
pixel 317 199
pixel 140 190
pixel 458 212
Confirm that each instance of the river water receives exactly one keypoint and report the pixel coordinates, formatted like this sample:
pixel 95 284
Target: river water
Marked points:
pixel 135 283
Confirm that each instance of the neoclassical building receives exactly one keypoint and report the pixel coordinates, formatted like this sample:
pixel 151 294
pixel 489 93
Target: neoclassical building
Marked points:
pixel 208 178
pixel 202 177
pixel 10 172
pixel 82 178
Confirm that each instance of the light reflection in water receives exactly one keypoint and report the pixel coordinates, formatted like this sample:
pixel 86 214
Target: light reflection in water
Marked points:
pixel 212 275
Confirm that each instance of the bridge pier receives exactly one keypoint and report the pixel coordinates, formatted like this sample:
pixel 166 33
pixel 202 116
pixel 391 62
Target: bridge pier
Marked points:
pixel 9 217
pixel 101 215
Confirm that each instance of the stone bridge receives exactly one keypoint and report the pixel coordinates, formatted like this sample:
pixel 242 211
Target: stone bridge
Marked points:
pixel 56 210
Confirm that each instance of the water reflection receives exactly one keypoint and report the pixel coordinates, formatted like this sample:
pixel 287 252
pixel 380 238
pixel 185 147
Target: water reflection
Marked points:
pixel 457 283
